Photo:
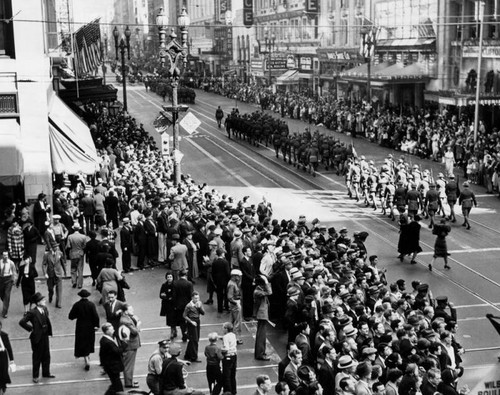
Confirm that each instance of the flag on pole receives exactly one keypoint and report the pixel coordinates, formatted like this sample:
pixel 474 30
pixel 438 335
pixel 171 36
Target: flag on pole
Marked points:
pixel 88 56
pixel 493 322
pixel 367 41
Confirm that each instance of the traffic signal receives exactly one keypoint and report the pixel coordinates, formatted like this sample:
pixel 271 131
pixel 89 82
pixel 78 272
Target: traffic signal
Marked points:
pixel 248 13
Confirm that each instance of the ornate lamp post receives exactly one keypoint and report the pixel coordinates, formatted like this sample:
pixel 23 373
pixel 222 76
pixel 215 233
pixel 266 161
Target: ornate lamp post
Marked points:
pixel 122 46
pixel 161 23
pixel 269 46
pixel 174 52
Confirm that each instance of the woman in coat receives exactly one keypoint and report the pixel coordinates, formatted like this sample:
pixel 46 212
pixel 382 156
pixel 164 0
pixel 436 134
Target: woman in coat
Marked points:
pixel 192 255
pixel 440 247
pixel 167 303
pixel 6 360
pixel 87 322
pixel 108 279
pixel 410 234
pixel 261 312
pixel 26 278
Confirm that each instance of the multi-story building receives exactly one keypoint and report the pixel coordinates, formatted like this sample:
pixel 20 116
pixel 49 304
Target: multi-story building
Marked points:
pixel 286 37
pixel 458 49
pixel 404 37
pixel 39 134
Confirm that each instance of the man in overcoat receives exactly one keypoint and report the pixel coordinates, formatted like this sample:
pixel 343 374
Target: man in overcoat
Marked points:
pixel 37 322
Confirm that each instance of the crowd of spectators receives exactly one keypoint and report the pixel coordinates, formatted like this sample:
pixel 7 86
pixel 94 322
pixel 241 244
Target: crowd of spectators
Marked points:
pixel 350 330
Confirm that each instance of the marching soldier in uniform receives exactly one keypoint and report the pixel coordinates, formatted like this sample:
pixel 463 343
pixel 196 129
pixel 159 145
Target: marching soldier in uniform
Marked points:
pixel 432 203
pixel 466 199
pixel 452 191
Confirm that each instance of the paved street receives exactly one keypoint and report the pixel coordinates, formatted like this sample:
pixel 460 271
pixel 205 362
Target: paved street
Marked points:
pixel 234 167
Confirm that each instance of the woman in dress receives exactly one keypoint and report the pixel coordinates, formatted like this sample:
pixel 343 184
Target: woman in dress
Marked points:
pixel 167 303
pixel 26 278
pixel 449 161
pixel 87 322
pixel 108 279
pixel 441 230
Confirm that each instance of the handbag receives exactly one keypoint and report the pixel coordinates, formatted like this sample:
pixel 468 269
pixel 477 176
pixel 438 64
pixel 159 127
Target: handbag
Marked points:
pixel 123 284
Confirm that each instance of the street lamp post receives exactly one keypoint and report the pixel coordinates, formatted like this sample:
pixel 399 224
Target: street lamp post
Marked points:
pixel 174 52
pixel 269 45
pixel 480 16
pixel 123 45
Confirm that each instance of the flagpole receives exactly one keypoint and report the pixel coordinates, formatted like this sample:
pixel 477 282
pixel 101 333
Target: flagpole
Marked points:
pixel 75 65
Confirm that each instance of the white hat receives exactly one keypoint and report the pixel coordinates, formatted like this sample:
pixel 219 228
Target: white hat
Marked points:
pixel 236 272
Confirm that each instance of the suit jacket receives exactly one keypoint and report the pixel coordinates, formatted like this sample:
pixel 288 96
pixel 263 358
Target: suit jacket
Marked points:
pixel 38 325
pixel 220 272
pixel 183 290
pixel 261 302
pixel 326 377
pixel 112 206
pixel 54 264
pixel 290 376
pixel 126 238
pixel 110 355
pixel 87 204
pixel 113 314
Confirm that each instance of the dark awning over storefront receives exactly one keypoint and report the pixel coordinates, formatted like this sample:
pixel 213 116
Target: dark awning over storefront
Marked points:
pixel 89 94
pixel 396 73
pixel 71 146
pixel 11 158
pixel 361 72
pixel 400 44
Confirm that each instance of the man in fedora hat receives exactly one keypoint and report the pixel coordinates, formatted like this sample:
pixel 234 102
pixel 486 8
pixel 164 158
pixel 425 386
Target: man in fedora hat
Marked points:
pixel 37 322
pixel 110 357
pixel 76 244
pixel 87 322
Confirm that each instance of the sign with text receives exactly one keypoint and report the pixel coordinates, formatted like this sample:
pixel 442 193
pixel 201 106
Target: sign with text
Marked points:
pixel 488 52
pixel 312 6
pixel 248 13
pixel 277 63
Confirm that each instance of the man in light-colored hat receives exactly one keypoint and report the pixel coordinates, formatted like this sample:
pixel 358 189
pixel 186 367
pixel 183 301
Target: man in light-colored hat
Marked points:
pixel 234 300
pixel 76 245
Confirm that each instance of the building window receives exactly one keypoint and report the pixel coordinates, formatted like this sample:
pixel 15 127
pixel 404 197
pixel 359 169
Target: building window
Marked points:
pixel 50 25
pixel 6 29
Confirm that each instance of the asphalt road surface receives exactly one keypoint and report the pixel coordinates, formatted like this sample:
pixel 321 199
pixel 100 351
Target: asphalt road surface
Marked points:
pixel 234 167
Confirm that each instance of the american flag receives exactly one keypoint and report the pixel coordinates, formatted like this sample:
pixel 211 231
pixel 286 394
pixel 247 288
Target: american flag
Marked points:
pixel 87 41
pixel 425 29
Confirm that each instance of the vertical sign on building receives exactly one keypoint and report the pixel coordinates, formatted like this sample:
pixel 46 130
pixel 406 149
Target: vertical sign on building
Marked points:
pixel 312 6
pixel 248 13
